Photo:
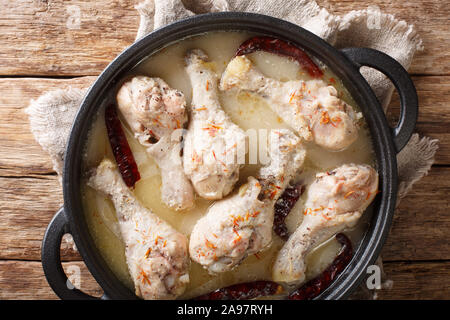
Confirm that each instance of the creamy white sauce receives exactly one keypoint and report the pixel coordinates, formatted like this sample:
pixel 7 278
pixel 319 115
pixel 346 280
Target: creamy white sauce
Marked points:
pixel 246 111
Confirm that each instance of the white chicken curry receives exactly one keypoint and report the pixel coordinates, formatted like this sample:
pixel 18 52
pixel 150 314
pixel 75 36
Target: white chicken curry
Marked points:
pixel 197 219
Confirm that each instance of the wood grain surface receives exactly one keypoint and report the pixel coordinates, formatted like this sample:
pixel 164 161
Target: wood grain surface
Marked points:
pixel 42 51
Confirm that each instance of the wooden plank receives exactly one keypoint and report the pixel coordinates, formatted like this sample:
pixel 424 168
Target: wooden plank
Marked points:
pixel 424 280
pixel 40 38
pixel 43 37
pixel 20 153
pixel 410 280
pixel 432 28
pixel 25 280
pixel 27 205
pixel 434 118
pixel 421 222
pixel 420 229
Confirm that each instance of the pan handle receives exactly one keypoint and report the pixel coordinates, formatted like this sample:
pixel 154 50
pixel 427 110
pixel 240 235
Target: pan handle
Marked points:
pixel 51 260
pixel 399 76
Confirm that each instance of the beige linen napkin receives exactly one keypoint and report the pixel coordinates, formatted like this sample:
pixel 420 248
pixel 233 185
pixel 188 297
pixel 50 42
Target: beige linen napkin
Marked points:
pixel 51 115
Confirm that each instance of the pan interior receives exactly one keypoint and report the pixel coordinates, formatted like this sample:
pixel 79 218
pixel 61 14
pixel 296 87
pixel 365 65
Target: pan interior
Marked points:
pixel 103 87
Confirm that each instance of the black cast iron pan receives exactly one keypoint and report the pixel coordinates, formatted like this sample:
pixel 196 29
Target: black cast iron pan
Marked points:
pixel 387 142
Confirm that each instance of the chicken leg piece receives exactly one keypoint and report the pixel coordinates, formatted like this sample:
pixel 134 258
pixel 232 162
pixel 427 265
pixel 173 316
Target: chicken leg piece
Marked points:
pixel 311 108
pixel 335 201
pixel 156 253
pixel 212 141
pixel 156 114
pixel 241 225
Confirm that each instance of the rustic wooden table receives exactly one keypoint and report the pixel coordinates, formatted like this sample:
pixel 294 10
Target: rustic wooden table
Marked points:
pixel 39 53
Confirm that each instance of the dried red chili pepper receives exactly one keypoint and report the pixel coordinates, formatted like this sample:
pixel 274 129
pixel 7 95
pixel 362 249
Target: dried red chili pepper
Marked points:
pixel 120 147
pixel 283 207
pixel 282 48
pixel 244 291
pixel 315 286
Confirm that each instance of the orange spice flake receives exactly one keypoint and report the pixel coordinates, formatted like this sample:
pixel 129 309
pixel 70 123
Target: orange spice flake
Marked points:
pixel 255 214
pixel 238 236
pixel 212 129
pixel 236 220
pixel 209 244
pixel 326 217
pixel 273 191
pixel 144 276
pixel 157 239
pixel 348 194
pixel 147 253
pixel 336 119
pixel 297 95
pixel 292 96
pixel 196 157
pixel 156 120
pixel 207 85
pixel 201 254
pixel 325 118
pixel 273 194
pixel 237 239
